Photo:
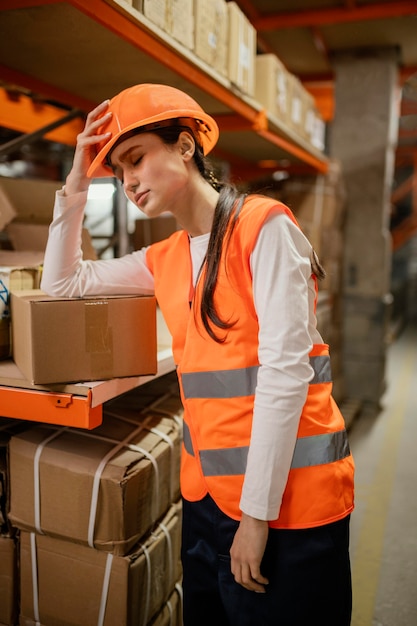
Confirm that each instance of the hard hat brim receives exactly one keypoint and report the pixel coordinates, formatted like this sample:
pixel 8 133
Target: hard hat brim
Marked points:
pixel 207 135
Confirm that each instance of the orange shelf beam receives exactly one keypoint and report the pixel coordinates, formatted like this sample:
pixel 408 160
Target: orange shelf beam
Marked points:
pixel 23 114
pixel 325 17
pixel 20 79
pixel 51 408
pixel 306 157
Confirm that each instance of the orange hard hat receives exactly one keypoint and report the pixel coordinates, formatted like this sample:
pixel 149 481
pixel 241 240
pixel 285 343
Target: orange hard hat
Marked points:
pixel 151 105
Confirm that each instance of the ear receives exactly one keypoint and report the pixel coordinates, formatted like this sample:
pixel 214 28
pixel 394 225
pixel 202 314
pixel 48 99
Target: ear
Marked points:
pixel 186 145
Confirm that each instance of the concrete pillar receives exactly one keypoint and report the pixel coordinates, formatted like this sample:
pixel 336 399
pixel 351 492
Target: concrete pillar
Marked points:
pixel 363 138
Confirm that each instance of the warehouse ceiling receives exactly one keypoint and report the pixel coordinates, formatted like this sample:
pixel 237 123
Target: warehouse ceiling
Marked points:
pixel 305 34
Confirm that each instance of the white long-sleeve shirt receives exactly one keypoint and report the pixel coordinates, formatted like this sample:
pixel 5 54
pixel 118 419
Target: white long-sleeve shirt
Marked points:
pixel 284 300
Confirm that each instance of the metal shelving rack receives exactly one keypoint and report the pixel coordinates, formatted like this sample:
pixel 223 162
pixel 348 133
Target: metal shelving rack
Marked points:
pixel 76 404
pixel 79 53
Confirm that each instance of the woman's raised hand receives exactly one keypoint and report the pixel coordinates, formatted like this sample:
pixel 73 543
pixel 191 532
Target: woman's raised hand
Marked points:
pixel 86 149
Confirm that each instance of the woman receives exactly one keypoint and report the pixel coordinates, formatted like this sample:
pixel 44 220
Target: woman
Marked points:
pixel 266 475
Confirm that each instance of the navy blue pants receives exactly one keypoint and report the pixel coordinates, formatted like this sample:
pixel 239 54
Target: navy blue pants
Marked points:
pixel 308 571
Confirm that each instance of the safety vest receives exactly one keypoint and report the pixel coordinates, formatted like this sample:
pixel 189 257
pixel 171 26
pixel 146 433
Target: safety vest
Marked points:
pixel 218 381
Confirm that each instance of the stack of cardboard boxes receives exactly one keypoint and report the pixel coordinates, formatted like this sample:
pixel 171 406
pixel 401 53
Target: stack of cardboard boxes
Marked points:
pixel 95 516
pixel 9 546
pixel 215 31
pixel 286 99
pixel 89 520
pixel 25 214
pixel 319 204
pixel 219 34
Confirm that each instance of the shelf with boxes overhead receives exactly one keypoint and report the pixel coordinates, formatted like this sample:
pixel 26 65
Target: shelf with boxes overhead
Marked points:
pixel 99 48
pixel 103 46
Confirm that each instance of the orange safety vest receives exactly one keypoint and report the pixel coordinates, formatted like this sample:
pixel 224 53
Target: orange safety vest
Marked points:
pixel 218 381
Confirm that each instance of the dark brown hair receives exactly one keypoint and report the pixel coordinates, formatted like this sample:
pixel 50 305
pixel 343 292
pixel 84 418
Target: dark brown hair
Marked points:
pixel 225 217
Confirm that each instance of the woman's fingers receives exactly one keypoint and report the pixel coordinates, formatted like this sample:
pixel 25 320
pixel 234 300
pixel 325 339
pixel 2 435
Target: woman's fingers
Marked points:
pixel 97 118
pixel 86 147
pixel 253 581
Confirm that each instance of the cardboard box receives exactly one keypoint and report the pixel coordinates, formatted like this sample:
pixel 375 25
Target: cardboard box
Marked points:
pixel 9 582
pixel 151 230
pixel 296 104
pixel 175 17
pixel 319 199
pixel 77 582
pixel 8 428
pixel 17 271
pixel 155 10
pixel 309 113
pixel 28 237
pixel 103 488
pixel 32 200
pixel 171 612
pixel 242 50
pixel 318 203
pixel 318 134
pixel 180 21
pixel 212 33
pixel 32 203
pixel 7 210
pixel 80 339
pixel 272 87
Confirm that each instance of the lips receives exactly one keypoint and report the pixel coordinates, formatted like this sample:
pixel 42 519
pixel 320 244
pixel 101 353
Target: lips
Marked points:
pixel 139 197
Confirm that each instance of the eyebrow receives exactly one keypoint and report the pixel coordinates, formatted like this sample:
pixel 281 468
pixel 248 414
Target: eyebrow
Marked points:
pixel 123 157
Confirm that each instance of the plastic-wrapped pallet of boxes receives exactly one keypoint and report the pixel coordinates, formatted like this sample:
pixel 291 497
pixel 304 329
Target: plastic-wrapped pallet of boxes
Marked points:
pixel 212 33
pixel 99 514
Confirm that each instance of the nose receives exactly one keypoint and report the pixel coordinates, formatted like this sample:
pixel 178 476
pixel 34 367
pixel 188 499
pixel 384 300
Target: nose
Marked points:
pixel 130 182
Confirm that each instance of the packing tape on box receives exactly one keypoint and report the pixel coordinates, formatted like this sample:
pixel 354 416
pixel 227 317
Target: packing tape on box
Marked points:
pixel 98 338
pixel 178 590
pixel 148 582
pixel 37 479
pixel 35 587
pixel 105 590
pixel 170 553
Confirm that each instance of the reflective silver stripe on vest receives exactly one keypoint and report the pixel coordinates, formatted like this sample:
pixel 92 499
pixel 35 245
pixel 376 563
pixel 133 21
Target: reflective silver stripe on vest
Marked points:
pixel 320 449
pixel 322 369
pixel 221 383
pixel 314 450
pixel 241 382
pixel 224 462
pixel 186 439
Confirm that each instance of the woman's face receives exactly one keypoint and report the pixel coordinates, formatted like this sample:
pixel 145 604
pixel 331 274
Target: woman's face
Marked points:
pixel 154 174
